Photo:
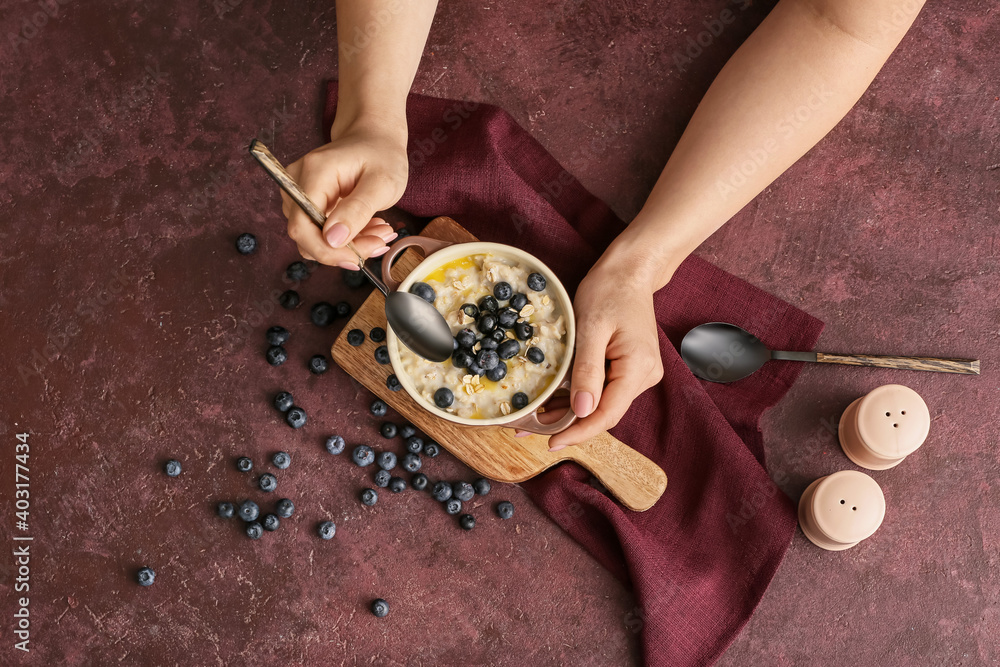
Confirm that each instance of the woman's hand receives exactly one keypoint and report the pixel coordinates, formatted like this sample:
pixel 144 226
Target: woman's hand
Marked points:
pixel 615 322
pixel 363 170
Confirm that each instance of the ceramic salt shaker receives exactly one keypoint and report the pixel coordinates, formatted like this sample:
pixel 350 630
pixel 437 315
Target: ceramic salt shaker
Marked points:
pixel 880 429
pixel 839 510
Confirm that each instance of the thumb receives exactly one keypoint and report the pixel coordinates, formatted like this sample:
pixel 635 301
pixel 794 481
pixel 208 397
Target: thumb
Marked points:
pixel 373 193
pixel 588 370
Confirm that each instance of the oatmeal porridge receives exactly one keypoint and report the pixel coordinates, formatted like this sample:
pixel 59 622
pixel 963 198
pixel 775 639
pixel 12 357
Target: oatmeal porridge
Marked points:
pixel 509 337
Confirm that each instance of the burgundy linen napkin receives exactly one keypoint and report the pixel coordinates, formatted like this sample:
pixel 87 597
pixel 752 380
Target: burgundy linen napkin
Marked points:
pixel 701 558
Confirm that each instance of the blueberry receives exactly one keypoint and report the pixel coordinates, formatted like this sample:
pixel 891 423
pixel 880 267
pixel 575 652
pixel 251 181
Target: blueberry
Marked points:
pixel 507 318
pixel 407 431
pixel 453 506
pixel 281 460
pixel 363 455
pixel 519 400
pixel 471 310
pixel 382 354
pixel 226 510
pixel 424 291
pixel 488 303
pixel 508 349
pixel 296 417
pixel 277 335
pixel 386 460
pixel 289 300
pixel 172 468
pixel 284 508
pixel 432 449
pixel 443 398
pixel 414 444
pixel 518 301
pixel 466 338
pixel 254 530
pixel 535 355
pixel 146 576
pixel 505 509
pixel 268 482
pixel 441 491
pixel 317 364
pixel 297 271
pixel 382 478
pixel 335 444
pixel 377 334
pixel 497 373
pixel 378 407
pixel 487 359
pixel 467 521
pixel 463 491
pixel 369 497
pixel 503 291
pixel 249 511
pixel 397 484
pixel 524 331
pixel 244 464
pixel 388 430
pixel 482 486
pixel 355 337
pixel 283 401
pixel 462 358
pixel 270 522
pixel 419 481
pixel 487 322
pixel 411 462
pixel 536 282
pixel 276 355
pixel 380 608
pixel 402 232
pixel 353 279
pixel 475 369
pixel 392 382
pixel 246 244
pixel 499 335
pixel 342 308
pixel 488 343
pixel 327 530
pixel 322 314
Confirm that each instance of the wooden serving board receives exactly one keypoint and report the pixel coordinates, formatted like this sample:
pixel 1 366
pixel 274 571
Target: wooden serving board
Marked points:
pixel 493 451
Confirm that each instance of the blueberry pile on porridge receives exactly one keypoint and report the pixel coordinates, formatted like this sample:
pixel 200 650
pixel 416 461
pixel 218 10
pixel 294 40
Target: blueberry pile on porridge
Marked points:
pixel 509 337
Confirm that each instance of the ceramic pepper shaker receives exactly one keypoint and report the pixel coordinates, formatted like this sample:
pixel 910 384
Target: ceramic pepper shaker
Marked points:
pixel 879 430
pixel 839 510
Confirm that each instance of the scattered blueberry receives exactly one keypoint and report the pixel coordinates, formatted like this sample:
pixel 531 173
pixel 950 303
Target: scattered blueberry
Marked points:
pixel 535 355
pixel 424 291
pixel 378 407
pixel 353 279
pixel 419 481
pixel 276 355
pixel 388 430
pixel 466 338
pixel 342 308
pixel 268 482
pixel 402 232
pixel 146 576
pixel 508 349
pixel 482 486
pixel 487 359
pixel 507 318
pixel 411 462
pixel 289 300
pixel 441 491
pixel 271 522
pixel 382 354
pixel 453 506
pixel 503 291
pixel 407 431
pixel 380 608
pixel 467 521
pixel 488 303
pixel 283 401
pixel 322 314
pixel 335 444
pixel 519 400
pixel 536 282
pixel 377 334
pixel 327 530
pixel 488 342
pixel 505 509
pixel 277 336
pixel 414 444
pixel 518 301
pixel 249 511
pixel 471 310
pixel 497 373
pixel 397 484
pixel 355 337
pixel 246 244
pixel 297 271
pixel 392 382
pixel 226 510
pixel 363 455
pixel 463 491
pixel 369 497
pixel 386 460
pixel 432 449
pixel 244 464
pixel 172 468
pixel 524 331
pixel 281 460
pixel 462 358
pixel 296 417
pixel 254 530
pixel 284 508
pixel 381 478
pixel 487 322
pixel 318 364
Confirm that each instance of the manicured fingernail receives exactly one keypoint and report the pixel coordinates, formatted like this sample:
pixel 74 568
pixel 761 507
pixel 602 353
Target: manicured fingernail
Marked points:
pixel 557 448
pixel 390 237
pixel 583 403
pixel 337 235
pixel 521 434
pixel 348 266
pixel 381 251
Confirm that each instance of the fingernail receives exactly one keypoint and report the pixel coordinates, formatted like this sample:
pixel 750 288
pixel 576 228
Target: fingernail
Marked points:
pixel 583 404
pixel 348 266
pixel 521 434
pixel 337 235
pixel 381 251
pixel 557 448
pixel 390 237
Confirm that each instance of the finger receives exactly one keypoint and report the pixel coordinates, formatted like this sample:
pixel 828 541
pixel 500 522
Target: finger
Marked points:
pixel 303 230
pixel 588 369
pixel 354 211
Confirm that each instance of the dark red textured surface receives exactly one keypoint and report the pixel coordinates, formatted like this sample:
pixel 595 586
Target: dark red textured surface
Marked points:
pixel 125 179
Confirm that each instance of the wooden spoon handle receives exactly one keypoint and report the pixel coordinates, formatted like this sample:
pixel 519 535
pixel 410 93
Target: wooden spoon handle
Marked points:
pixel 632 478
pixel 966 366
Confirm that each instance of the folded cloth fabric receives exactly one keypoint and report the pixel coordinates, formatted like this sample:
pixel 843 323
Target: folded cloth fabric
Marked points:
pixel 701 558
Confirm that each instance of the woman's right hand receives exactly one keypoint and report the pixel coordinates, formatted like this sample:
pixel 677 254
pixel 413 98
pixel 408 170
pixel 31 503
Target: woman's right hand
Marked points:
pixel 363 170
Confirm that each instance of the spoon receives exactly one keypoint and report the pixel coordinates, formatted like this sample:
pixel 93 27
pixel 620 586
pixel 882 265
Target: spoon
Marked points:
pixel 721 352
pixel 416 322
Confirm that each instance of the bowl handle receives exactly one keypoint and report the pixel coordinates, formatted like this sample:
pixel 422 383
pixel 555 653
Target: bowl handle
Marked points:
pixel 428 245
pixel 530 422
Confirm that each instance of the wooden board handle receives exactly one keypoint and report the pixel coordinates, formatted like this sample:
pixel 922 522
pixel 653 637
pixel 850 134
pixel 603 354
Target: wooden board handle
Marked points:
pixel 966 366
pixel 632 478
